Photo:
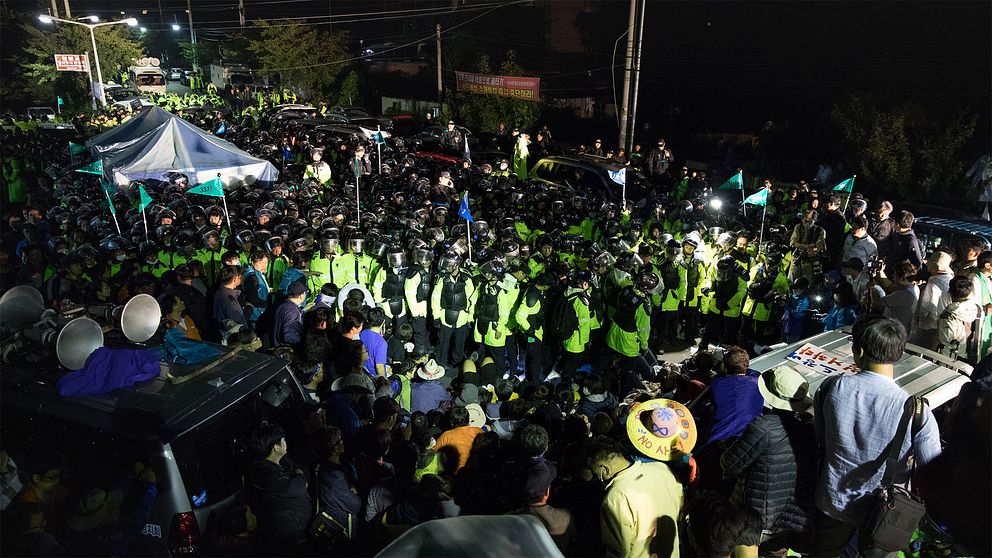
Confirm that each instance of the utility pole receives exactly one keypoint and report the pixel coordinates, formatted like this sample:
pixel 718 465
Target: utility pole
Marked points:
pixel 55 9
pixel 625 104
pixel 330 16
pixel 241 12
pixel 161 14
pixel 438 40
pixel 637 79
pixel 68 13
pixel 192 35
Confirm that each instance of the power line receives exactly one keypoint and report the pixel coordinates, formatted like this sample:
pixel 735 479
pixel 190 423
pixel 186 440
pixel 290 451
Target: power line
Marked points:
pixel 431 36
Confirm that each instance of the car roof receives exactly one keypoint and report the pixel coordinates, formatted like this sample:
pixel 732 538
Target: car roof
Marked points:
pixel 977 228
pixel 159 408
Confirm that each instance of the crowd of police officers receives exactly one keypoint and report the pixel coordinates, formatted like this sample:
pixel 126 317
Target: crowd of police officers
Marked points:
pixel 545 279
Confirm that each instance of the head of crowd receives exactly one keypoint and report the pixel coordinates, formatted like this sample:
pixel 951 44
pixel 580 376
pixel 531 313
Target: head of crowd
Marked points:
pixel 473 341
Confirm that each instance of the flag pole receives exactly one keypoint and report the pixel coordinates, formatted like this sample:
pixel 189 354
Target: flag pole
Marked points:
pixel 742 194
pixel 358 203
pixel 761 231
pixel 468 233
pixel 223 197
pixel 113 212
pixel 378 147
pixel 145 221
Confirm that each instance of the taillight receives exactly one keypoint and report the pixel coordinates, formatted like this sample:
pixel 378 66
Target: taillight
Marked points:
pixel 184 535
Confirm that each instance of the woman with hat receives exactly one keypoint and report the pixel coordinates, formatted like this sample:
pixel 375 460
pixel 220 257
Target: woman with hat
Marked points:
pixel 773 459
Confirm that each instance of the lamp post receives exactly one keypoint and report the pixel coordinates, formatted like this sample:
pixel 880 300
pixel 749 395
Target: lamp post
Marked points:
pixel 130 22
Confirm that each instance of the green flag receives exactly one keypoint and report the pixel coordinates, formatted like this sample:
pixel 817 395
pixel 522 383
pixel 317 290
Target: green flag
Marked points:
pixel 76 149
pixel 145 198
pixel 113 210
pixel 735 182
pixel 96 167
pixel 846 186
pixel 60 101
pixel 209 188
pixel 759 198
pixel 108 187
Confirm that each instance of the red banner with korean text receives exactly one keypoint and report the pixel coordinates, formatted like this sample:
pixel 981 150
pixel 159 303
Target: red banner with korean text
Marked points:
pixel 515 87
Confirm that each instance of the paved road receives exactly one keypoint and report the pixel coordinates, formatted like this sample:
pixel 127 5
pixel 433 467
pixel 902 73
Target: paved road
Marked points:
pixel 176 87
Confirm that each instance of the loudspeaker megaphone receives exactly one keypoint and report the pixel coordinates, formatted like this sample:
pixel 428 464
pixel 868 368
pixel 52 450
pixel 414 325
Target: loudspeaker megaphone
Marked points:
pixel 139 319
pixel 73 342
pixel 21 307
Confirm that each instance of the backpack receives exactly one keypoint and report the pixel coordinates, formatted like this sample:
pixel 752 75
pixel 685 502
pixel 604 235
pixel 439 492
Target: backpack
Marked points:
pixel 561 320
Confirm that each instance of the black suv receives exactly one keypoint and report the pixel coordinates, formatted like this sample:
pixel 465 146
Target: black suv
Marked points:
pixel 191 434
pixel 590 175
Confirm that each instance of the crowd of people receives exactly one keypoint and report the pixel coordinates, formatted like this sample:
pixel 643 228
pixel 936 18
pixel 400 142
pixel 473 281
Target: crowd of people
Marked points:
pixel 473 342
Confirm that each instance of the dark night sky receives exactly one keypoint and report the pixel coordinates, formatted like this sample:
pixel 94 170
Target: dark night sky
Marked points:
pixel 726 64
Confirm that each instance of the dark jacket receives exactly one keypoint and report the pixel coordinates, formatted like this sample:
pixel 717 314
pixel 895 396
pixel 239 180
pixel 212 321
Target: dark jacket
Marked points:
pixel 279 500
pixel 590 408
pixel 334 489
pixel 774 464
pixel 288 324
pixel 903 247
pixel 834 223
pixel 227 307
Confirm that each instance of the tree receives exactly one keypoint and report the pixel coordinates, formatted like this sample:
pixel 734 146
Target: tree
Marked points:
pixel 901 147
pixel 350 92
pixel 116 44
pixel 485 112
pixel 302 56
pixel 202 53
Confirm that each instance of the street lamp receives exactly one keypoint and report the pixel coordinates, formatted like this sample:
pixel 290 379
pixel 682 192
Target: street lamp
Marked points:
pixel 175 27
pixel 130 22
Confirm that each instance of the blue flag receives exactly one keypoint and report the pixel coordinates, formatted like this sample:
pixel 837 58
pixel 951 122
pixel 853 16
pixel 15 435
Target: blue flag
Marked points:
pixel 619 176
pixel 377 137
pixel 759 198
pixel 464 211
pixel 286 155
pixel 220 129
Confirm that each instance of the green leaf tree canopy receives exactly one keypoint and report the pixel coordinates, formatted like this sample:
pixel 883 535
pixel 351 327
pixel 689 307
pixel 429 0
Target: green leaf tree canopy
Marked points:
pixel 117 47
pixel 302 56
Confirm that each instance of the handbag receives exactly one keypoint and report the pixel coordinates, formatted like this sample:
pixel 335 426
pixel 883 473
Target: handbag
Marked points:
pixel 325 528
pixel 897 512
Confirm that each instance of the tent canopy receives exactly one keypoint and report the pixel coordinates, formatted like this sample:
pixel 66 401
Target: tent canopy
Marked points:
pixel 157 142
pixel 146 121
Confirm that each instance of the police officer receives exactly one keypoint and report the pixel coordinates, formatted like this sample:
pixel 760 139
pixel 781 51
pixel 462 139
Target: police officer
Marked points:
pixel 417 290
pixel 452 303
pixel 388 287
pixel 320 263
pixel 278 262
pixel 317 169
pixel 631 329
pixel 692 274
pixel 767 284
pixel 530 321
pixel 210 256
pixel 497 296
pixel 576 302
pixel 353 267
pixel 727 292
pixel 451 138
pixel 673 293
